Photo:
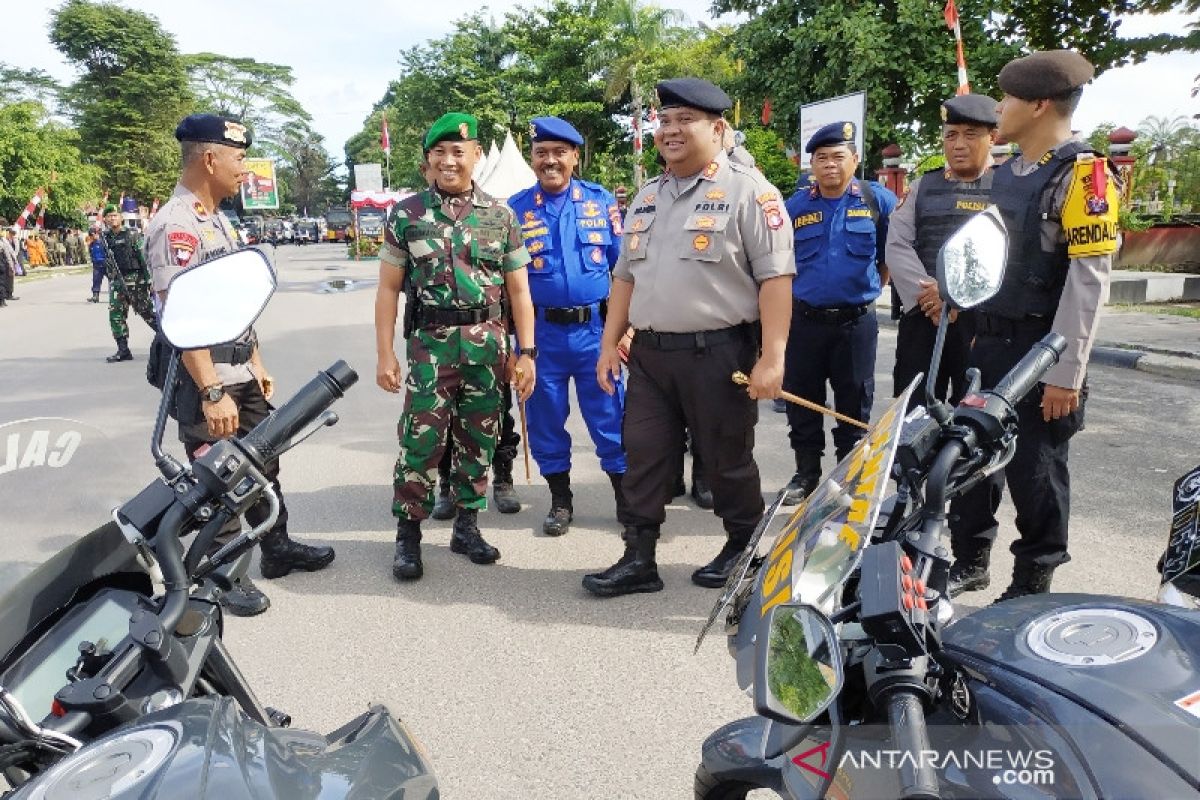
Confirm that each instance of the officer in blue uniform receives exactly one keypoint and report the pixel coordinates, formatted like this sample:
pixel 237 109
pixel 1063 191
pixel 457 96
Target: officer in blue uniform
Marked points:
pixel 572 230
pixel 839 226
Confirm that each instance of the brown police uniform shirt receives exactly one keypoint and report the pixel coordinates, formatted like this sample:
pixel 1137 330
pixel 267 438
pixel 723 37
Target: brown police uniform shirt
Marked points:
pixel 182 234
pixel 696 249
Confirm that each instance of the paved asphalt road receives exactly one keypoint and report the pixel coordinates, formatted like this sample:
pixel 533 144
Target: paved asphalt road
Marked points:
pixel 521 684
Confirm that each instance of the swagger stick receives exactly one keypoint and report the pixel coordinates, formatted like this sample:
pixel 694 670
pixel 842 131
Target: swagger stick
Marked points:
pixel 519 373
pixel 741 379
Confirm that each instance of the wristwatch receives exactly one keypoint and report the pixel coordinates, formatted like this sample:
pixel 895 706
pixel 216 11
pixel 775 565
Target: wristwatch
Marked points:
pixel 528 351
pixel 212 394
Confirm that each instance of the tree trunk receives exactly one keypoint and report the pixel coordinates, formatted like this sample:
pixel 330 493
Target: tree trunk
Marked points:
pixel 637 135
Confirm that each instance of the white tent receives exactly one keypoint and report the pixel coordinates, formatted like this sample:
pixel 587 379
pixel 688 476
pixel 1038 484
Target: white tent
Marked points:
pixel 510 174
pixel 490 161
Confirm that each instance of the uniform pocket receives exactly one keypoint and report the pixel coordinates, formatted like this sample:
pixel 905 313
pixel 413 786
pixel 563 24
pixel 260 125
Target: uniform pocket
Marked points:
pixel 706 237
pixel 637 237
pixel 807 241
pixel 593 245
pixel 860 237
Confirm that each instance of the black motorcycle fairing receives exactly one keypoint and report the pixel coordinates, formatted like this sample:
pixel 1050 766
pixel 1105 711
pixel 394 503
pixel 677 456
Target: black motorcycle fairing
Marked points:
pixel 100 555
pixel 209 750
pixel 992 642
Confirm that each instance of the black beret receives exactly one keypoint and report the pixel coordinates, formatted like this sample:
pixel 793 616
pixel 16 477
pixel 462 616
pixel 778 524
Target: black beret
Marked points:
pixel 215 129
pixel 693 93
pixel 831 134
pixel 1046 74
pixel 970 109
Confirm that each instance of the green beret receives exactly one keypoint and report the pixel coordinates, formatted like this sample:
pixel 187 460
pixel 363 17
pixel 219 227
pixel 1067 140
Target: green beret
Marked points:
pixel 452 127
pixel 110 209
pixel 1045 75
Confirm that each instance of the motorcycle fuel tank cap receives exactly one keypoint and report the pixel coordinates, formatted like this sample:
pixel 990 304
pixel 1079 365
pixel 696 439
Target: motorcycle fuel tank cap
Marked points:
pixel 107 769
pixel 1091 637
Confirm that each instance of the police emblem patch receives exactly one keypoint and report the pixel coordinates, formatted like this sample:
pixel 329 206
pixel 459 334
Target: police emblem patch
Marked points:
pixel 464 131
pixel 774 215
pixel 539 262
pixel 714 194
pixel 614 217
pixel 648 199
pixel 235 132
pixel 635 241
pixel 945 114
pixel 591 209
pixel 200 210
pixel 535 247
pixel 848 131
pixel 701 242
pixel 595 238
pixel 597 255
pixel 182 246
pixel 530 216
pixel 711 169
pixel 532 131
pixel 638 224
pixel 577 194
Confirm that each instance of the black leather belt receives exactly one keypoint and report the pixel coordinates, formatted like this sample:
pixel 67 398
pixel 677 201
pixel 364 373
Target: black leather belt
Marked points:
pixel 991 325
pixel 432 315
pixel 566 316
pixel 699 340
pixel 836 315
pixel 235 354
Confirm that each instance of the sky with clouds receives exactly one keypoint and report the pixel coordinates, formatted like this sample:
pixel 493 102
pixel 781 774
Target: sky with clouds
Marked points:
pixel 342 66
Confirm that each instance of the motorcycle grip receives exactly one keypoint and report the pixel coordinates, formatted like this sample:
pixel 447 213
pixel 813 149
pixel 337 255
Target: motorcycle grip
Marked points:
pixel 264 442
pixel 1030 369
pixel 906 715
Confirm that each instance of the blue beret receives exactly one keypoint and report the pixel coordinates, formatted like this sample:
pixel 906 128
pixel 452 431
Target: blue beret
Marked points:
pixel 970 109
pixel 215 129
pixel 554 129
pixel 832 134
pixel 693 93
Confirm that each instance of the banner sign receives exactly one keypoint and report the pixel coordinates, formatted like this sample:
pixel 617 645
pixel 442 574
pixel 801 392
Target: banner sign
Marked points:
pixel 368 177
pixel 259 190
pixel 847 108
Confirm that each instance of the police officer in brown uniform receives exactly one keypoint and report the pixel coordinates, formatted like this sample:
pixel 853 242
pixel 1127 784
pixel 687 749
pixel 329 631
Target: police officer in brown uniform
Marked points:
pixel 226 389
pixel 1058 199
pixel 704 276
pixel 936 205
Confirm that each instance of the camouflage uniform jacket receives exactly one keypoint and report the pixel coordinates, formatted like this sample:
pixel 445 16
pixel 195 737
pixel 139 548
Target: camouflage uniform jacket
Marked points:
pixel 455 264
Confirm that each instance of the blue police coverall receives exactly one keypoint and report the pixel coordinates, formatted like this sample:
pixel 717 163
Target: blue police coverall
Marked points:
pixel 834 331
pixel 574 239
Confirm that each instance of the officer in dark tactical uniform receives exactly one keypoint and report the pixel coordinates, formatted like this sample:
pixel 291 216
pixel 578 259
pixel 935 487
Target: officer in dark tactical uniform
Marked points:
pixel 936 205
pixel 456 249
pixel 226 390
pixel 128 281
pixel 572 230
pixel 1059 202
pixel 704 276
pixel 840 229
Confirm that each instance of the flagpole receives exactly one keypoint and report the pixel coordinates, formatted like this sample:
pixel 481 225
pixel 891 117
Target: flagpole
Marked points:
pixel 952 22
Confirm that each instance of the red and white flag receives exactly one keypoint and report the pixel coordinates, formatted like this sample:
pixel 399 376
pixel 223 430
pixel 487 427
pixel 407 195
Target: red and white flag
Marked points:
pixel 384 139
pixel 637 134
pixel 766 112
pixel 154 207
pixel 951 15
pixel 32 205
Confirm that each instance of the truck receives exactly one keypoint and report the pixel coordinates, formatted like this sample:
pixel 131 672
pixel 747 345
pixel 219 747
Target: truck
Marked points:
pixel 338 222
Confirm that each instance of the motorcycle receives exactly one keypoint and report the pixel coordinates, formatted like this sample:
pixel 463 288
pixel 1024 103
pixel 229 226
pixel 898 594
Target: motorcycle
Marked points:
pixel 115 681
pixel 864 684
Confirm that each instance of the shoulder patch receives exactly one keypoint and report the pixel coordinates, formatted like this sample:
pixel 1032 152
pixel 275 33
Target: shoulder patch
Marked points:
pixel 1089 213
pixel 182 246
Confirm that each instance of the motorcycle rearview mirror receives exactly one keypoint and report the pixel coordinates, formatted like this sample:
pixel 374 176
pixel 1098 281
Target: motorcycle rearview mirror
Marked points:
pixel 970 270
pixel 217 301
pixel 211 303
pixel 798 668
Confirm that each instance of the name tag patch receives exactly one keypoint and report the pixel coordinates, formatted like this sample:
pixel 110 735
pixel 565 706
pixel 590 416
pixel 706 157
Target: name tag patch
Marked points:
pixel 812 218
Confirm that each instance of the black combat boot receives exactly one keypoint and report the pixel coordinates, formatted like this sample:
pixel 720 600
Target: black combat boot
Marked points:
pixel 503 492
pixel 558 521
pixel 715 573
pixel 244 599
pixel 701 494
pixel 808 475
pixel 122 353
pixel 467 539
pixel 1028 578
pixel 281 554
pixel 406 566
pixel 443 507
pixel 95 298
pixel 634 572
pixel 969 572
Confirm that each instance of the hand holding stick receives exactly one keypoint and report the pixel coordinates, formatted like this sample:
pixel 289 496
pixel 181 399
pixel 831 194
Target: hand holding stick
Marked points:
pixel 519 373
pixel 741 379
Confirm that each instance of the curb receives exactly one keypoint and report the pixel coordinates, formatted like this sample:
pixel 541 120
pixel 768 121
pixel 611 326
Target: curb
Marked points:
pixel 1131 357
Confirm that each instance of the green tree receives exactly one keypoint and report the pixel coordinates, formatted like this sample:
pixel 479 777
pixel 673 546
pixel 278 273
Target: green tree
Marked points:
pixel 306 174
pixel 256 92
pixel 131 93
pixel 767 147
pixel 29 84
pixel 640 33
pixel 1166 136
pixel 37 152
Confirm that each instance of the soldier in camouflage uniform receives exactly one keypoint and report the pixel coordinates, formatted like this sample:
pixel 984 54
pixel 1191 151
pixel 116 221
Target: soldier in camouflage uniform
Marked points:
pixel 128 281
pixel 460 248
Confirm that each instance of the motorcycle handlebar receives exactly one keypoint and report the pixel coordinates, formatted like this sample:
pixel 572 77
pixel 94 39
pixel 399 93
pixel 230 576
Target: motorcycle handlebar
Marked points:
pixel 906 715
pixel 1030 369
pixel 263 444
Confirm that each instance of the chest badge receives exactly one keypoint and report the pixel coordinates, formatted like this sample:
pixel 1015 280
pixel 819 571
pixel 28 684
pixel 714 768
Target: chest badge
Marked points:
pixel 707 223
pixel 595 238
pixel 711 169
pixel 591 209
pixel 597 255
pixel 648 199
pixel 530 216
pixel 715 194
pixel 701 242
pixel 200 210
pixel 638 224
pixel 635 242
pixel 536 247
pixel 539 262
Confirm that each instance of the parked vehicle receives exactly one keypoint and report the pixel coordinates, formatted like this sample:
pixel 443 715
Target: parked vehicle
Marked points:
pixel 114 679
pixel 863 686
pixel 307 231
pixel 371 222
pixel 338 222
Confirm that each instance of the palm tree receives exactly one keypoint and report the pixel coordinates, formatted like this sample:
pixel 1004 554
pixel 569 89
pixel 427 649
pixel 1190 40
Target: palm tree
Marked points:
pixel 1163 134
pixel 642 30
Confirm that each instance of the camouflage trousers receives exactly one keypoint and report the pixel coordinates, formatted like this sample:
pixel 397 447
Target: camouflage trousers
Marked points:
pixel 119 302
pixel 464 401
